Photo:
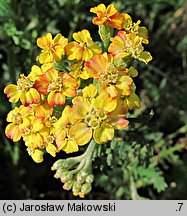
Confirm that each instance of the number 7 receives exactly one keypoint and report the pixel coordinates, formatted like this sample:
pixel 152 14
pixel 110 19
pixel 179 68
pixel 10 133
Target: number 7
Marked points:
pixel 180 206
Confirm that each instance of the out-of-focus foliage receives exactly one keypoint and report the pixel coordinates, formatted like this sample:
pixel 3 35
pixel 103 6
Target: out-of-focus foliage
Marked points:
pixel 146 161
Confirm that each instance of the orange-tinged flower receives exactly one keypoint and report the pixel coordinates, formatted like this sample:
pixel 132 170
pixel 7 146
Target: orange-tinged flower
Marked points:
pixel 53 49
pixel 110 78
pixel 57 85
pixel 69 134
pixel 23 90
pixel 134 28
pixel 108 15
pixel 128 44
pixel 96 112
pixel 18 120
pixel 83 48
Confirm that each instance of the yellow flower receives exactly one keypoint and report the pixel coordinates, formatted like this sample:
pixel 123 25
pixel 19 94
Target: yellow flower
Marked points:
pixel 23 90
pixel 78 71
pixel 110 78
pixel 69 134
pixel 57 85
pixel 107 15
pixel 83 48
pixel 34 133
pixel 18 120
pixel 127 44
pixel 53 49
pixel 95 111
pixel 134 28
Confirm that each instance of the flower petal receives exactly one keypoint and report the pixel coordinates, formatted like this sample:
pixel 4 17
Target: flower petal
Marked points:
pixel 81 133
pixel 103 133
pixel 71 146
pixel 12 131
pixel 12 93
pixel 56 98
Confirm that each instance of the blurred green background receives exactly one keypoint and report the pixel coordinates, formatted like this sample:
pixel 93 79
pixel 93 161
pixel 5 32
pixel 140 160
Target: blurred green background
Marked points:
pixel 162 86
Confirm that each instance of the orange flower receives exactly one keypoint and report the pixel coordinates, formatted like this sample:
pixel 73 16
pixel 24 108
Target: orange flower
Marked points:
pixel 53 49
pixel 110 78
pixel 57 85
pixel 84 48
pixel 23 90
pixel 128 44
pixel 18 120
pixel 107 15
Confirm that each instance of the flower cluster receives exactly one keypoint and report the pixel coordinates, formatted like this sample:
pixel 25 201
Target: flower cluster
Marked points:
pixel 82 91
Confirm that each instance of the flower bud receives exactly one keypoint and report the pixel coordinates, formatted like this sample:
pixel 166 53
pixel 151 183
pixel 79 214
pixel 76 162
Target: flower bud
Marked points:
pixel 66 176
pixel 89 178
pixel 76 188
pixel 57 164
pixel 81 177
pixel 86 188
pixel 68 185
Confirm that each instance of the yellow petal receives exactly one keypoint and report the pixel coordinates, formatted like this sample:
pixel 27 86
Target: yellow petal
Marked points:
pixel 82 36
pixel 124 83
pixel 81 133
pixel 103 133
pixel 45 41
pixel 89 91
pixel 56 98
pixel 104 101
pixel 51 149
pixel 145 57
pixel 30 97
pixel 35 73
pixel 37 156
pixel 71 146
pixel 80 107
pixel 12 131
pixel 12 93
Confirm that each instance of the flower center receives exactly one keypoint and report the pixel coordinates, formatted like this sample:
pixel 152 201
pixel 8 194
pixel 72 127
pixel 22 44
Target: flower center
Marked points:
pixel 24 84
pixel 50 139
pixel 55 85
pixel 17 118
pixel 50 120
pixel 133 46
pixel 109 75
pixel 95 117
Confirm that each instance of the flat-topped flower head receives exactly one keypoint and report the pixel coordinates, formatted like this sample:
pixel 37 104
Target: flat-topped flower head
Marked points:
pixel 83 48
pixel 57 85
pixel 128 44
pixel 52 49
pixel 108 15
pixel 110 78
pixel 24 91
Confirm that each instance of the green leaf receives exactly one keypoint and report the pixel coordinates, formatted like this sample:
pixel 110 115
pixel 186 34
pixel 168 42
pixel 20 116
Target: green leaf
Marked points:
pixel 152 176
